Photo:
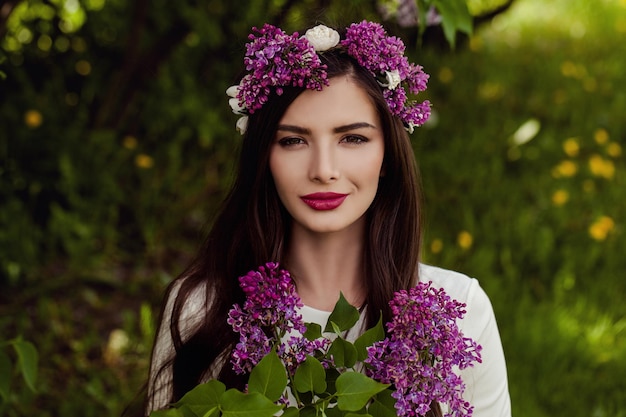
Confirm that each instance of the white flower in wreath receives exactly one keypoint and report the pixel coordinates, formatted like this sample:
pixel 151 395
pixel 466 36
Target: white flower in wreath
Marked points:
pixel 242 124
pixel 322 38
pixel 235 106
pixel 233 101
pixel 393 79
pixel 232 91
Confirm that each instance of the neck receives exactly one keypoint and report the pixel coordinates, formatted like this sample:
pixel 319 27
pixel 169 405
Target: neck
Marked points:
pixel 325 264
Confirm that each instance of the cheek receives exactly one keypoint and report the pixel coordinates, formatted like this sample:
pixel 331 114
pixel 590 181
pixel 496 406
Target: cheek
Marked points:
pixel 280 170
pixel 371 166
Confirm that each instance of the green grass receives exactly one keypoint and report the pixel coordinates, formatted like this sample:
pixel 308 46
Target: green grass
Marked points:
pixel 558 291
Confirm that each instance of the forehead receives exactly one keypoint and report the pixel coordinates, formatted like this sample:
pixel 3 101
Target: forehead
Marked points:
pixel 342 102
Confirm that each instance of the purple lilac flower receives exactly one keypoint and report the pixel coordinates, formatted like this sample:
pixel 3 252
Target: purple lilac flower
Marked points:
pixel 373 49
pixel 424 347
pixel 276 59
pixel 269 318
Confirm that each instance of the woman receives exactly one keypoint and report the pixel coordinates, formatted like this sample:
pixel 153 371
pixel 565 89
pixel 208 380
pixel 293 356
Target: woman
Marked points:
pixel 327 186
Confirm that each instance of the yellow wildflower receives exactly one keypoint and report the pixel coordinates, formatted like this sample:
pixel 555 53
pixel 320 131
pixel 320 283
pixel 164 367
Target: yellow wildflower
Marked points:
pixel 490 91
pixel 144 161
pixel 571 147
pixel 565 169
pixel 436 246
pixel 465 240
pixel 601 167
pixel 601 136
pixel 445 75
pixel 614 149
pixel 560 197
pixel 600 229
pixel 573 70
pixel 33 119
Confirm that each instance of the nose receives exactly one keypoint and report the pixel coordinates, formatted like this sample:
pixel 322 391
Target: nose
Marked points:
pixel 324 167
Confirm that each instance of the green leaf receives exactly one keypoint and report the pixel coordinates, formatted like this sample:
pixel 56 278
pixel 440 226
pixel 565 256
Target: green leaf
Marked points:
pixel 355 389
pixel 199 411
pixel 5 376
pixel 360 415
pixel 313 331
pixel 27 360
pixel 334 412
pixel 309 411
pixel 237 404
pixel 455 16
pixel 268 377
pixel 383 404
pixel 146 321
pixel 310 376
pixel 385 398
pixel 204 398
pixel 343 353
pixel 368 338
pixel 290 412
pixel 331 378
pixel 344 316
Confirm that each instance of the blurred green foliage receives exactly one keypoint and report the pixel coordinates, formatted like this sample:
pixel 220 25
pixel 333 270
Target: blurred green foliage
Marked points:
pixel 117 143
pixel 16 356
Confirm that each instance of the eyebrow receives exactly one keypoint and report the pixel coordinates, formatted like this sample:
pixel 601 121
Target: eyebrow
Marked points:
pixel 339 129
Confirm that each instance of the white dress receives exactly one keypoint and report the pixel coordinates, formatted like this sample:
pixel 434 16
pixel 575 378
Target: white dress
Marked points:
pixel 486 382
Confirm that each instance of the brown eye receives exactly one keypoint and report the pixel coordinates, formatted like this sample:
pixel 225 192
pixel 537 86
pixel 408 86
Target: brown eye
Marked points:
pixel 290 141
pixel 354 139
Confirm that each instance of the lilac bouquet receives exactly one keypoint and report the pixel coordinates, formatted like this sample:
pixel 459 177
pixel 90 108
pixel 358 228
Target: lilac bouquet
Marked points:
pixel 298 369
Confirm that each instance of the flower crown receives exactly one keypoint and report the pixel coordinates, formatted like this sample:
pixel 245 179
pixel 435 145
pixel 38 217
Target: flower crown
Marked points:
pixel 275 59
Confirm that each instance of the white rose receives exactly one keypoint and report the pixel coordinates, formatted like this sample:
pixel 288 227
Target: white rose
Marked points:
pixel 242 124
pixel 322 38
pixel 393 79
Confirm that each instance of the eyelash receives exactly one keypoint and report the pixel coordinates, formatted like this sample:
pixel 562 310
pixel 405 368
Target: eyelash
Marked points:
pixel 350 139
pixel 290 141
pixel 354 139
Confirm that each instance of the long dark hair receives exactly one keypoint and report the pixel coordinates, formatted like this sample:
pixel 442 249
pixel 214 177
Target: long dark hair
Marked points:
pixel 252 226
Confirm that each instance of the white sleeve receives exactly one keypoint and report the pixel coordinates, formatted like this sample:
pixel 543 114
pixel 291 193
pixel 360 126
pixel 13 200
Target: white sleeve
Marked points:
pixel 160 380
pixel 486 382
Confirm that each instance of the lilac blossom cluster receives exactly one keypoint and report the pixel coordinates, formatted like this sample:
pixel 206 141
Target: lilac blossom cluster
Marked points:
pixel 269 318
pixel 383 56
pixel 276 59
pixel 424 348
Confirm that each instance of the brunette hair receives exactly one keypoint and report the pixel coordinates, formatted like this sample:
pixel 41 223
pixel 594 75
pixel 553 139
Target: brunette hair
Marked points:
pixel 252 227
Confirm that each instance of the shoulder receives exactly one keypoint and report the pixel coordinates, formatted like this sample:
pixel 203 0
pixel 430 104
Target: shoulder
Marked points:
pixel 479 311
pixel 457 285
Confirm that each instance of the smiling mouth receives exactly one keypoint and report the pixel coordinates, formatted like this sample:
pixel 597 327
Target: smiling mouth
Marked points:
pixel 324 201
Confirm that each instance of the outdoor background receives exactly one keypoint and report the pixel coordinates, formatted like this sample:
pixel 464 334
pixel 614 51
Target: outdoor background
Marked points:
pixel 117 143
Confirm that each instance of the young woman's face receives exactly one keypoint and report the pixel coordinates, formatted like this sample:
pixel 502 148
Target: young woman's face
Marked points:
pixel 327 157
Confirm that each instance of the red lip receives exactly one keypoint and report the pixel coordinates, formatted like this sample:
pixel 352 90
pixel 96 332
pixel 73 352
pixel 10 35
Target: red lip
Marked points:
pixel 324 201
